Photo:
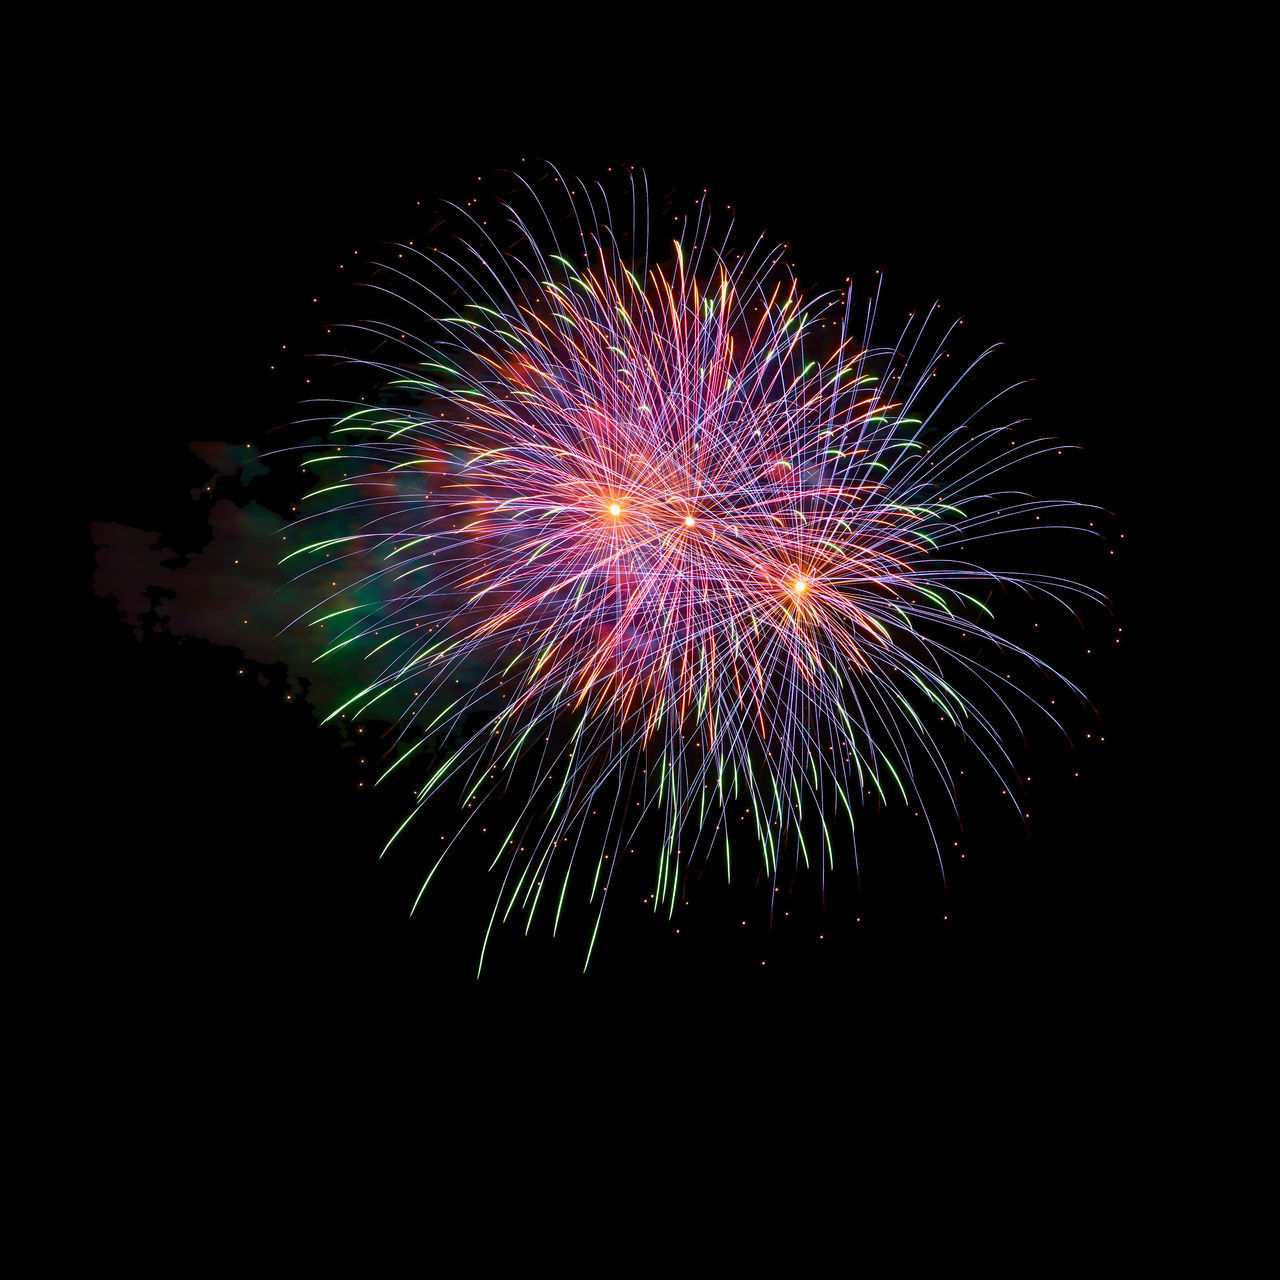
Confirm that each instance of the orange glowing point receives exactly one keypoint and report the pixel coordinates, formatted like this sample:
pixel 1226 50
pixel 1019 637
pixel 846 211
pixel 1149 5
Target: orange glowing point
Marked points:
pixel 688 522
pixel 801 586
pixel 615 510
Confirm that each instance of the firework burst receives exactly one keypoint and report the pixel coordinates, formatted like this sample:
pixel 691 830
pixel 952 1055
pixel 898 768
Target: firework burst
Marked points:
pixel 652 529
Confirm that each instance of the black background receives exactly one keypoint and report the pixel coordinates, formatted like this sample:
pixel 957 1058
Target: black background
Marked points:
pixel 231 857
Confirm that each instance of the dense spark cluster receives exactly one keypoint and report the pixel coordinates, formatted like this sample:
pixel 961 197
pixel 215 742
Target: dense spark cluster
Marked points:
pixel 642 524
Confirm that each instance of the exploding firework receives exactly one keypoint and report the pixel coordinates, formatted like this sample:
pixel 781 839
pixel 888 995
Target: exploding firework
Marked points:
pixel 641 525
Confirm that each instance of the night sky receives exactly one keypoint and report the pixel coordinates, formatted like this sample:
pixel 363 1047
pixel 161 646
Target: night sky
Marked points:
pixel 236 834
